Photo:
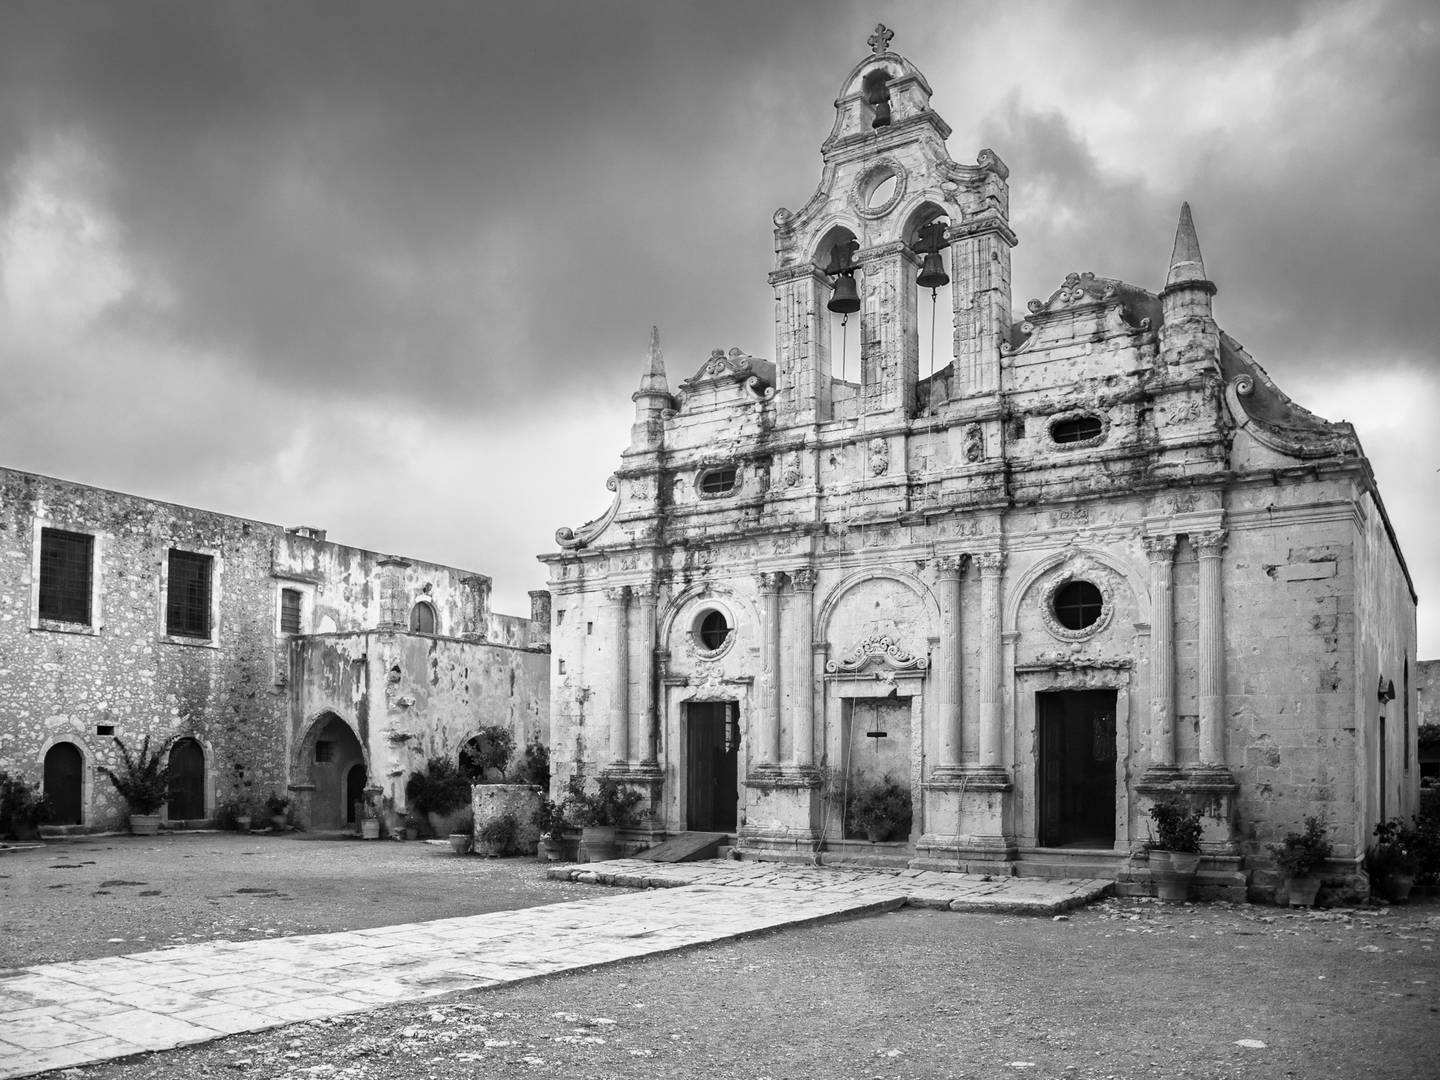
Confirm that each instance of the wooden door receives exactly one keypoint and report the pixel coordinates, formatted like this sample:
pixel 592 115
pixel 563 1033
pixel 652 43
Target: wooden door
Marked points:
pixel 65 783
pixel 712 765
pixel 187 781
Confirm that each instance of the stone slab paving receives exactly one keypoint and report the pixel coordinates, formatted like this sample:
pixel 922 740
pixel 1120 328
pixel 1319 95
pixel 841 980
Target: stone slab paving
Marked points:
pixel 919 888
pixel 54 1016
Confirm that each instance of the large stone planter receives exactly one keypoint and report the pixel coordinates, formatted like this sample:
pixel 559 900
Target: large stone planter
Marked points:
pixel 1301 891
pixel 491 801
pixel 1174 874
pixel 144 824
pixel 598 843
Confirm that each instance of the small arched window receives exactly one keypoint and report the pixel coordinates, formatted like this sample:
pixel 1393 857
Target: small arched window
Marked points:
pixel 719 481
pixel 1076 429
pixel 422 618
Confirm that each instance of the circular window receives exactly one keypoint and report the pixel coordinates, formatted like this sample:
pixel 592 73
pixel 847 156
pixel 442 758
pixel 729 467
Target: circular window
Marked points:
pixel 1078 605
pixel 713 630
pixel 877 192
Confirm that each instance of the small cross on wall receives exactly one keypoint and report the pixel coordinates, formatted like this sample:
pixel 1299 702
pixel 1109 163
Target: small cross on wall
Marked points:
pixel 879 41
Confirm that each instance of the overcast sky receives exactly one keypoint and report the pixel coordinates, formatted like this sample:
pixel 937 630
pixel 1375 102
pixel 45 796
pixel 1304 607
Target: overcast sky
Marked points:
pixel 390 269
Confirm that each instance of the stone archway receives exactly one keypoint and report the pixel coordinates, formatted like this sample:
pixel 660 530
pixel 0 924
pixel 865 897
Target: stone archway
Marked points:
pixel 330 754
pixel 64 783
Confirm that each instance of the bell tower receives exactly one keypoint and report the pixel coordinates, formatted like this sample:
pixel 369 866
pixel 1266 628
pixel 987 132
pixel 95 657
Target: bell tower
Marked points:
pixel 890 201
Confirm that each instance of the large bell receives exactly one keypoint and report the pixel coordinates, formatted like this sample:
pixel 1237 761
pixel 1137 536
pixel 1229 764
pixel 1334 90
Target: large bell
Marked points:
pixel 932 272
pixel 882 115
pixel 845 300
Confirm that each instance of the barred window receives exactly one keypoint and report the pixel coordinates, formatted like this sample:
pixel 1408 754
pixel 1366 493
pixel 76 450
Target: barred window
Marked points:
pixel 290 611
pixel 66 560
pixel 187 600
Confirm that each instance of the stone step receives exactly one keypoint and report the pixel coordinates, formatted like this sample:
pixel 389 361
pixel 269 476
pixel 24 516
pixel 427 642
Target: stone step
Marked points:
pixel 686 847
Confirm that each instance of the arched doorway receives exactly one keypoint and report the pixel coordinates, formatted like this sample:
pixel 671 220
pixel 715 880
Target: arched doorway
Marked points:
pixel 65 784
pixel 336 759
pixel 187 781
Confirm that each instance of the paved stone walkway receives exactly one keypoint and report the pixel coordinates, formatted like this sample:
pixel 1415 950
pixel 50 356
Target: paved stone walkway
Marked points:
pixel 57 1015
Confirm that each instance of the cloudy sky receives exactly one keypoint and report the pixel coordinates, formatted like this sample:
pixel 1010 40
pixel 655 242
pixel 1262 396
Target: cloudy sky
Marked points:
pixel 390 269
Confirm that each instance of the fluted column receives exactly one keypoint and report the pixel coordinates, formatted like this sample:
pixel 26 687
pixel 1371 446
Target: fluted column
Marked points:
pixel 991 565
pixel 619 599
pixel 641 740
pixel 949 656
pixel 802 698
pixel 1208 546
pixel 768 749
pixel 1161 551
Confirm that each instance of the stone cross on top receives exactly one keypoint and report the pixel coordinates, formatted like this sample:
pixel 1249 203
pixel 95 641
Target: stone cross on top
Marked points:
pixel 879 41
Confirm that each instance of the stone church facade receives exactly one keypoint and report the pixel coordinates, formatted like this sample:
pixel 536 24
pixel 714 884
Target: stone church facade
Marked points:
pixel 257 659
pixel 1098 558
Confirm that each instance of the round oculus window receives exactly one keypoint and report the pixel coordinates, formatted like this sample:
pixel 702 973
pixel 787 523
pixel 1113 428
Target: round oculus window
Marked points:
pixel 1078 605
pixel 713 630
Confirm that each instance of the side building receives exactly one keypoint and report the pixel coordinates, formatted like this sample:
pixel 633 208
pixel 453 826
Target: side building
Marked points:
pixel 1094 558
pixel 260 660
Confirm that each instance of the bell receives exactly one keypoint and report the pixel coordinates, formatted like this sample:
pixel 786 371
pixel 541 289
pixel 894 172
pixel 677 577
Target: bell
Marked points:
pixel 882 115
pixel 845 299
pixel 932 272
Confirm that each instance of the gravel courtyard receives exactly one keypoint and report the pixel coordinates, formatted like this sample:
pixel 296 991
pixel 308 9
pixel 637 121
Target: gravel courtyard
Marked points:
pixel 1121 989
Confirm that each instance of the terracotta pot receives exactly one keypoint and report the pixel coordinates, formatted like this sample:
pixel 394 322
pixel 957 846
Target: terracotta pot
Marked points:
pixel 278 822
pixel 1159 860
pixel 1184 862
pixel 242 823
pixel 597 843
pixel 149 825
pixel 460 842
pixel 1302 891
pixel 1173 873
pixel 370 828
pixel 552 848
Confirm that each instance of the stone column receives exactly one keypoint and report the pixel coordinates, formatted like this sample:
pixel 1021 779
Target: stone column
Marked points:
pixel 619 599
pixel 475 618
pixel 991 565
pixel 802 722
pixel 394 613
pixel 948 678
pixel 1208 546
pixel 642 730
pixel 802 359
pixel 889 342
pixel 768 747
pixel 1161 551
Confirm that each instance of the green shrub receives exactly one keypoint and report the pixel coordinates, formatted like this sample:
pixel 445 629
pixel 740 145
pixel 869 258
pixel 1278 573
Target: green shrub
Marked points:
pixel 1177 825
pixel 881 810
pixel 437 789
pixel 23 808
pixel 1301 854
pixel 142 781
pixel 499 834
pixel 535 765
pixel 488 752
pixel 610 804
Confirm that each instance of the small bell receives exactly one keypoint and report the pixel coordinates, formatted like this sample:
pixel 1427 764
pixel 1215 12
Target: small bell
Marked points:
pixel 845 299
pixel 882 115
pixel 932 272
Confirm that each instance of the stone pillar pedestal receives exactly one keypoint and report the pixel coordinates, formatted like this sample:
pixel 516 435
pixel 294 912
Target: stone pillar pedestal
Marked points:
pixel 969 825
pixel 786 818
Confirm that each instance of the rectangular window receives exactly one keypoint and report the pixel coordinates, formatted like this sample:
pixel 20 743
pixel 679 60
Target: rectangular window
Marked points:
pixel 187 599
pixel 324 751
pixel 66 559
pixel 290 611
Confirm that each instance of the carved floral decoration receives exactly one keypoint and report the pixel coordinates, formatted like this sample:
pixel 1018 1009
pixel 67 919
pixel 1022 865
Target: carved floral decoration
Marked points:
pixel 879 649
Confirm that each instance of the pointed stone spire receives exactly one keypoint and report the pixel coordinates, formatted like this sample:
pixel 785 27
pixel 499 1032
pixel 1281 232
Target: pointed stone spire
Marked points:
pixel 653 381
pixel 1186 265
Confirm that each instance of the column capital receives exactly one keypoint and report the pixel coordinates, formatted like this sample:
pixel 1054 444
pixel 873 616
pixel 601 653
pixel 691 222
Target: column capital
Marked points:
pixel 1209 544
pixel 768 581
pixel 646 592
pixel 990 562
pixel 1160 549
pixel 804 579
pixel 949 566
pixel 617 594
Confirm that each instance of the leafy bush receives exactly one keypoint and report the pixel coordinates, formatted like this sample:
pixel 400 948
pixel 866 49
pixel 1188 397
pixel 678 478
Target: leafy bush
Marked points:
pixel 22 807
pixel 141 780
pixel 549 817
pixel 881 810
pixel 438 789
pixel 499 834
pixel 460 820
pixel 610 804
pixel 1178 826
pixel 535 765
pixel 1397 849
pixel 489 751
pixel 275 805
pixel 1300 854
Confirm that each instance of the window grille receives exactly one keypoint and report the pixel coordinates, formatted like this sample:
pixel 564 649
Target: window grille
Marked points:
pixel 1078 604
pixel 187 600
pixel 1076 429
pixel 718 481
pixel 290 611
pixel 65 567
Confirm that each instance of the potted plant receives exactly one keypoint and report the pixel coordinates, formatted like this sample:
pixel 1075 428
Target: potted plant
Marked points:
pixel 459 827
pixel 497 836
pixel 1175 851
pixel 600 814
pixel 1392 861
pixel 1299 856
pixel 144 783
pixel 413 824
pixel 437 790
pixel 489 751
pixel 23 809
pixel 880 810
pixel 549 818
pixel 275 807
pixel 369 818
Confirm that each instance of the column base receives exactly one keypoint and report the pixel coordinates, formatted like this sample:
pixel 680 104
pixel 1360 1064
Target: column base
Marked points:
pixel 969 818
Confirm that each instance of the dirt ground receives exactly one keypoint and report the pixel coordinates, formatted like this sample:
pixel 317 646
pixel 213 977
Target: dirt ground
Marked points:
pixel 1124 989
pixel 101 896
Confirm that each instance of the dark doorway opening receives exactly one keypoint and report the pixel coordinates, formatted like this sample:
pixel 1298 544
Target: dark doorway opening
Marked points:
pixel 1077 768
pixel 354 792
pixel 65 784
pixel 333 754
pixel 712 765
pixel 186 799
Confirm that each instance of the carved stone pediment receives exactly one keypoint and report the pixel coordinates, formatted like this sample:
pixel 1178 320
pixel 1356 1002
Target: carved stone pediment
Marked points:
pixel 878 650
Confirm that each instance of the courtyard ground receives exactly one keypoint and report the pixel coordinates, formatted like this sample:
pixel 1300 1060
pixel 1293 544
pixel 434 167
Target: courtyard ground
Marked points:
pixel 1121 989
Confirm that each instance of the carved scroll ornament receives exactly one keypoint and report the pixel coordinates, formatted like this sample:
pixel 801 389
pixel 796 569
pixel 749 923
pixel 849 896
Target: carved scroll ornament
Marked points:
pixel 879 649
